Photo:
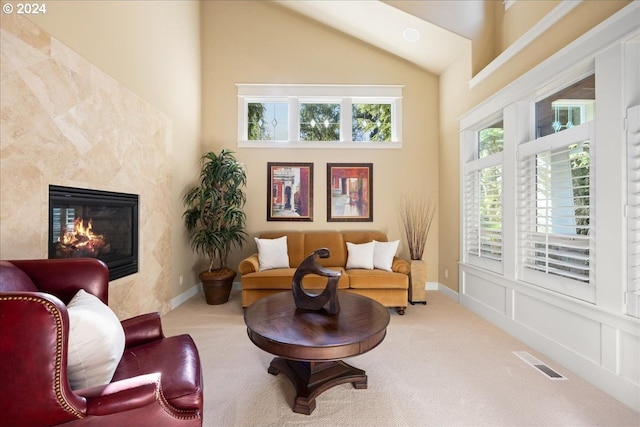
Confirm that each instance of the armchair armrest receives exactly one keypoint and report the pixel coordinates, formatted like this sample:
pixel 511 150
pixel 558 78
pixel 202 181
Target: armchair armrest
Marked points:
pixel 121 396
pixel 401 266
pixel 141 329
pixel 250 264
pixel 129 394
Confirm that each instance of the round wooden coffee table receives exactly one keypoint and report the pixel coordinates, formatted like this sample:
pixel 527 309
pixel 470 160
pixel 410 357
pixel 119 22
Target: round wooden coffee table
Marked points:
pixel 309 345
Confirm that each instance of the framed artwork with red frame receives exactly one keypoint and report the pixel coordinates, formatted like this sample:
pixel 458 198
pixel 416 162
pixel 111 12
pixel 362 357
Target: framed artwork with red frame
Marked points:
pixel 349 192
pixel 289 191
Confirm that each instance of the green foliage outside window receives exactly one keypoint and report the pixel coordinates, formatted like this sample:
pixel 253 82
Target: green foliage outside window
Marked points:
pixel 267 121
pixel 319 122
pixel 580 171
pixel 257 130
pixel 371 122
pixel 491 140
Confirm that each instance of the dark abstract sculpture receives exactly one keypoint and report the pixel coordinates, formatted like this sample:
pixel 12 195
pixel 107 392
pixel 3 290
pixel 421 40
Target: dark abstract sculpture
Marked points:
pixel 328 297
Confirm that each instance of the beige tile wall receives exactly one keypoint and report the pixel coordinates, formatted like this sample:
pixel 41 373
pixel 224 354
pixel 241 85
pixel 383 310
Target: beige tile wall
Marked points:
pixel 65 122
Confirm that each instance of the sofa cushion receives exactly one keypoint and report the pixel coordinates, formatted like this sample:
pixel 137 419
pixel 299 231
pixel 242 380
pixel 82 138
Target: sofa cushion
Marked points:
pixel 360 256
pixel 316 281
pixel 383 254
pixel 363 236
pixel 282 278
pixel 96 341
pixel 278 278
pixel 372 279
pixel 331 240
pixel 272 253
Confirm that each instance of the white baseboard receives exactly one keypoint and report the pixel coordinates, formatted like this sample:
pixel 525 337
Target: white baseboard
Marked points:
pixel 197 288
pixel 180 299
pixel 448 292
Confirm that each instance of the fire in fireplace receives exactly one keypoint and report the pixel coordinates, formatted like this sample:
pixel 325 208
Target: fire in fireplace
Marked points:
pixel 96 224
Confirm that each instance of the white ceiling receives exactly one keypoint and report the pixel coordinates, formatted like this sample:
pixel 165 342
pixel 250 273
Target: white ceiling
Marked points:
pixel 382 23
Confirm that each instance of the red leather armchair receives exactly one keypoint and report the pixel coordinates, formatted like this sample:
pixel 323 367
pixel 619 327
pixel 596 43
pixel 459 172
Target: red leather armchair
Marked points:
pixel 158 381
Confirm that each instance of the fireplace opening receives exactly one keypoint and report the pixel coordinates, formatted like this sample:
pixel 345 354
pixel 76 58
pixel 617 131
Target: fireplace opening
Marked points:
pixel 96 224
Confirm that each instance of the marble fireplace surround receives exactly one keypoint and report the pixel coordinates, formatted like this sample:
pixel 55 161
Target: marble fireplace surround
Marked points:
pixel 65 122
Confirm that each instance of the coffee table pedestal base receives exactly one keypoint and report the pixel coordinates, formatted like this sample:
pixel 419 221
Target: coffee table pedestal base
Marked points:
pixel 312 378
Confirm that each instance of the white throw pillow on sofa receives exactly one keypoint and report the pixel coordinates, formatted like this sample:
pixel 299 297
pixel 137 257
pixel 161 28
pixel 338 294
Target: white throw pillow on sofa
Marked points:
pixel 360 255
pixel 96 341
pixel 383 253
pixel 272 253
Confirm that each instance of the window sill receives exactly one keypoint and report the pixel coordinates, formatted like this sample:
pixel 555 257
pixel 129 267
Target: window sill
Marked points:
pixel 328 144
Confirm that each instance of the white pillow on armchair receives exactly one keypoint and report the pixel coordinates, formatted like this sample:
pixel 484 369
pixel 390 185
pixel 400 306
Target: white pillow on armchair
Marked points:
pixel 96 341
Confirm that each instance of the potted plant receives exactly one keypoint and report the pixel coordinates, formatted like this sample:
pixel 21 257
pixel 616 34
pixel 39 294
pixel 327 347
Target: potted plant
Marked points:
pixel 216 221
pixel 417 213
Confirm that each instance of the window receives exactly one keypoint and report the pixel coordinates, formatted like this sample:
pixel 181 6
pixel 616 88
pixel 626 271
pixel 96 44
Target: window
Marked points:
pixel 566 108
pixel 554 218
pixel 483 199
pixel 267 121
pixel 491 140
pixel 319 116
pixel 554 193
pixel 371 122
pixel 319 122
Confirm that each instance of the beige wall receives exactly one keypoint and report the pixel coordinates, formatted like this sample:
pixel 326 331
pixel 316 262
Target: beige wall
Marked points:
pixel 257 42
pixel 457 99
pixel 153 48
pixel 65 122
pixel 519 18
pixel 156 49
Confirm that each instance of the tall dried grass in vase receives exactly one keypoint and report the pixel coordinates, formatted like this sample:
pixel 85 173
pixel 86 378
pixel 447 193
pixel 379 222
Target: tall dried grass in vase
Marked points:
pixel 417 213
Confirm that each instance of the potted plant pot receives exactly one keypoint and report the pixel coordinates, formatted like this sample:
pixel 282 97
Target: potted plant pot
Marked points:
pixel 217 285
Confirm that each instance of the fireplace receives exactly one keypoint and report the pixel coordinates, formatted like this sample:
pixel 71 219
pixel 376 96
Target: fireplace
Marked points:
pixel 96 224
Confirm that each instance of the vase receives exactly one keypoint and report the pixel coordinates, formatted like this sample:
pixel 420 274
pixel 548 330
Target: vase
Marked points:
pixel 417 282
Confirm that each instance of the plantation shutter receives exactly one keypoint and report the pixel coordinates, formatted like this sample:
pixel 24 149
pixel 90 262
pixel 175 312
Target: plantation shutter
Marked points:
pixel 483 211
pixel 633 211
pixel 554 221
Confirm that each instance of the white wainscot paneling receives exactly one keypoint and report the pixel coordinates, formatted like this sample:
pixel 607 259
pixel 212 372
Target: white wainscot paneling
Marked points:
pixel 568 329
pixel 486 292
pixel 630 357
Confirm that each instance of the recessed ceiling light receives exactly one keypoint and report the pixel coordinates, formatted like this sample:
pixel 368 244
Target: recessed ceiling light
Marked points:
pixel 411 35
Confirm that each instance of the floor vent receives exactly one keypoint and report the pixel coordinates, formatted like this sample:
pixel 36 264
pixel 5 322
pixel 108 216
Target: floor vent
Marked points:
pixel 540 367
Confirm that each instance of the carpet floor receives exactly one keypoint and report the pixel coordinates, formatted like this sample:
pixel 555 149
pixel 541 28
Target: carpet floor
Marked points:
pixel 439 365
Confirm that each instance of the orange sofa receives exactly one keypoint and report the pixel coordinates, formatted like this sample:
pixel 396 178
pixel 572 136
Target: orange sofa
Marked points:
pixel 390 288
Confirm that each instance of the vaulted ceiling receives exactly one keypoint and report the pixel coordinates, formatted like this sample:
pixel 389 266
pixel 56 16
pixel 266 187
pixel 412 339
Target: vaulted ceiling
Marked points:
pixel 430 34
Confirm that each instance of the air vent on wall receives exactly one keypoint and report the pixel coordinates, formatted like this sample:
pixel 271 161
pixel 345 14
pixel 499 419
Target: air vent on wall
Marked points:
pixel 540 366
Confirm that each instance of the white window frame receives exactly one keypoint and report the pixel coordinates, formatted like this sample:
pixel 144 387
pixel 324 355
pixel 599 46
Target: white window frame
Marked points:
pixel 471 202
pixel 519 127
pixel 346 95
pixel 632 211
pixel 527 214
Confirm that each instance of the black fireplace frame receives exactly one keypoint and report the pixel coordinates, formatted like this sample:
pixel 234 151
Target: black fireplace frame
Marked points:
pixel 58 194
